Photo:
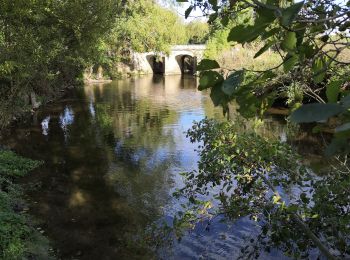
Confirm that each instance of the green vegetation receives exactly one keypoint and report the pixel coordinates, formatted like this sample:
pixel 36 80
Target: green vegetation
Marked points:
pixel 45 47
pixel 16 234
pixel 145 26
pixel 197 32
pixel 298 211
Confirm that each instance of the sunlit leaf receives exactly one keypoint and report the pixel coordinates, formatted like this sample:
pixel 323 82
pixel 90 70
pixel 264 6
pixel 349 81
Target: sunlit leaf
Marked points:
pixel 332 91
pixel 319 69
pixel 289 42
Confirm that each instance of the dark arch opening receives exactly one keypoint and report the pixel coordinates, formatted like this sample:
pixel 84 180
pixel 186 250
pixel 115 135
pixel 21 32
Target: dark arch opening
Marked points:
pixel 187 64
pixel 157 63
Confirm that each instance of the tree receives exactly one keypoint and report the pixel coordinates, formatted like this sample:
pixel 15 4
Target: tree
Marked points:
pixel 145 26
pixel 197 32
pixel 255 175
pixel 46 45
pixel 313 41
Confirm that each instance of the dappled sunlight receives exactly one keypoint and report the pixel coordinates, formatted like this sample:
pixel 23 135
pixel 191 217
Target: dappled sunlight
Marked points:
pixel 78 198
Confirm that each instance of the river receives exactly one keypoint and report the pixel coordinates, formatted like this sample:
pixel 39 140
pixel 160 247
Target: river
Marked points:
pixel 113 153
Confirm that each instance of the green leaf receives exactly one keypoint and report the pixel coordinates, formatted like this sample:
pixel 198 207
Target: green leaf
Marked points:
pixel 342 128
pixel 265 15
pixel 307 50
pixel 332 90
pixel 207 64
pixel 225 20
pixel 315 112
pixel 217 96
pixel 290 62
pixel 270 33
pixel 247 101
pixel 188 11
pixel 213 2
pixel 209 79
pixel 290 13
pixel 182 1
pixel 233 82
pixel 264 48
pixel 212 18
pixel 337 144
pixel 242 34
pixel 319 69
pixel 304 198
pixel 289 42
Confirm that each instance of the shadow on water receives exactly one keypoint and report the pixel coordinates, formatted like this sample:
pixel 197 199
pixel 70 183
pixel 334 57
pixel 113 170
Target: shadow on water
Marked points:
pixel 112 155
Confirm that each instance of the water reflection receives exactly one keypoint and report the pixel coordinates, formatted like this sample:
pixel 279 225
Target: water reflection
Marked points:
pixel 116 174
pixel 66 119
pixel 92 109
pixel 45 125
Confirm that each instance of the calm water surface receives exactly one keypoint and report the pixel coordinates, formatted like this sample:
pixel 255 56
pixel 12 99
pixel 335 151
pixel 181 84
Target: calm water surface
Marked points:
pixel 113 154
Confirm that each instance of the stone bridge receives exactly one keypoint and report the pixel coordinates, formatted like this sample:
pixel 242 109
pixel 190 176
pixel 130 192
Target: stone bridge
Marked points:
pixel 181 59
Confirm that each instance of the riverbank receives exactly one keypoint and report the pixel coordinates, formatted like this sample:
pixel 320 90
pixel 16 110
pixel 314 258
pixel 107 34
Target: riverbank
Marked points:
pixel 9 118
pixel 19 238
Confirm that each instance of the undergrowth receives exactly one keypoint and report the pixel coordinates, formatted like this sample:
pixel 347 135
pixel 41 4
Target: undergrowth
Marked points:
pixel 17 235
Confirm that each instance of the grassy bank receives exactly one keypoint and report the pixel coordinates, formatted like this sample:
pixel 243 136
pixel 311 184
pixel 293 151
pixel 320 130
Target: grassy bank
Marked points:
pixel 18 237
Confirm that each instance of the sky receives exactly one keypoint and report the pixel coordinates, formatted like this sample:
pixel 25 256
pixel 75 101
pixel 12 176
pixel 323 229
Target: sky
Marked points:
pixel 181 8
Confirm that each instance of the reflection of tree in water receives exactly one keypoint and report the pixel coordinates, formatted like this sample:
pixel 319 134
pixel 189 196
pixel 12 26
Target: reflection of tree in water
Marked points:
pixel 143 151
pixel 110 180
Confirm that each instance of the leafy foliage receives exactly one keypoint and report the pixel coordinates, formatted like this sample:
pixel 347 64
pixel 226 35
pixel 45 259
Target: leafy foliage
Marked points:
pixel 197 32
pixel 312 38
pixel 46 45
pixel 145 26
pixel 15 232
pixel 296 210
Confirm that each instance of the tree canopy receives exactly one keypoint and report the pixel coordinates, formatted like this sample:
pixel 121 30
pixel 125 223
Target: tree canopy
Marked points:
pixel 46 45
pixel 312 38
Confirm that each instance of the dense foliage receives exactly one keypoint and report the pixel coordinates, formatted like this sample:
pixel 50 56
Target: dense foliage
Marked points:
pixel 45 46
pixel 146 26
pixel 262 178
pixel 312 39
pixel 197 32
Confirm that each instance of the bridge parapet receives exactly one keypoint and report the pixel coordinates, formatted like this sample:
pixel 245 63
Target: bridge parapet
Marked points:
pixel 188 47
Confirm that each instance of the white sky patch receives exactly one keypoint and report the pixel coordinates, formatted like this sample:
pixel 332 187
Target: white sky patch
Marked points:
pixel 180 9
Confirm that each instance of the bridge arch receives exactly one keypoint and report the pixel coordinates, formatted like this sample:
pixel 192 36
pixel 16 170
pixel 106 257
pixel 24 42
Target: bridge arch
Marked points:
pixel 157 63
pixel 187 63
